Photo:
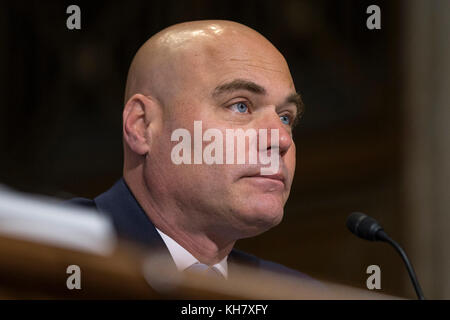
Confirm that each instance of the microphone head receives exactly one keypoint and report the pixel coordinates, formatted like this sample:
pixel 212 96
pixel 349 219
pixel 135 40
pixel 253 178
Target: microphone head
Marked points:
pixel 363 226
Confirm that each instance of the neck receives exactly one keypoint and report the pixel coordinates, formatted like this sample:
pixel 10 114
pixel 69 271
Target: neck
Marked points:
pixel 202 247
pixel 203 244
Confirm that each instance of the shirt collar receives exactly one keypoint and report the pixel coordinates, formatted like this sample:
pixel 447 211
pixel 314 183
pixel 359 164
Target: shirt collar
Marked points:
pixel 184 259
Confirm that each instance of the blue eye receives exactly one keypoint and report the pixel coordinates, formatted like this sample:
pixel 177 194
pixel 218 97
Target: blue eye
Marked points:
pixel 285 119
pixel 240 107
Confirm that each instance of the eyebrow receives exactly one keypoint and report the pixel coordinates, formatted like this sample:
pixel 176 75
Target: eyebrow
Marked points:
pixel 296 99
pixel 239 84
pixel 242 84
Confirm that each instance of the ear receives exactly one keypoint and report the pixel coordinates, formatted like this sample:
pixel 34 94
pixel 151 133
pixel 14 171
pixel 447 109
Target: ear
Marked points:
pixel 138 114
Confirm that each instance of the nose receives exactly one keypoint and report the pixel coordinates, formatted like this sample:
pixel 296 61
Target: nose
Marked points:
pixel 271 121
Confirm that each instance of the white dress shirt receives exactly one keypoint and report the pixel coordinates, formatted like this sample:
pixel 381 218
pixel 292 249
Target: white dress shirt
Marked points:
pixel 184 259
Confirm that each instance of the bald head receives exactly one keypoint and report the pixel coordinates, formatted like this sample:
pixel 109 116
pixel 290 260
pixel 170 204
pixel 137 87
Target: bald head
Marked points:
pixel 164 60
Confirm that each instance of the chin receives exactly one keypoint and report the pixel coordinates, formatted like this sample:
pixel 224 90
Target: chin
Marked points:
pixel 261 214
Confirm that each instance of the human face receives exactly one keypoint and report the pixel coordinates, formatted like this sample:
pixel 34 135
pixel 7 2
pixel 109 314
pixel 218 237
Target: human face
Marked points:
pixel 231 83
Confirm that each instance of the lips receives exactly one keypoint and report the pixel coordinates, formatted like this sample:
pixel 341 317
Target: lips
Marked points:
pixel 278 177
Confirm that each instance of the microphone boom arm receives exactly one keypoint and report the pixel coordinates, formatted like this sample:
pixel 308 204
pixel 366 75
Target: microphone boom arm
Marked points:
pixel 382 236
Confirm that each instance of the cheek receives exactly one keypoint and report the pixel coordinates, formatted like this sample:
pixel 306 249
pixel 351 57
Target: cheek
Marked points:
pixel 290 163
pixel 290 158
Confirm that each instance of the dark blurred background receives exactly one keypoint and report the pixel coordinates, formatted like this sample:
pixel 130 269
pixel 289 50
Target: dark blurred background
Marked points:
pixel 374 138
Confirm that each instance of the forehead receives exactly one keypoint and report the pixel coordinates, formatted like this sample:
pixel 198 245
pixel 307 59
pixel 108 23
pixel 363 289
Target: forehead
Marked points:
pixel 205 65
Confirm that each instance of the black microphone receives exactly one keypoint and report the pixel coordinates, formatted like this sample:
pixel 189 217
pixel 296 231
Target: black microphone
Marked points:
pixel 368 228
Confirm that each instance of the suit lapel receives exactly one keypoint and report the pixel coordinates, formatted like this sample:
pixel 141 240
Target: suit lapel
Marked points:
pixel 130 220
pixel 238 258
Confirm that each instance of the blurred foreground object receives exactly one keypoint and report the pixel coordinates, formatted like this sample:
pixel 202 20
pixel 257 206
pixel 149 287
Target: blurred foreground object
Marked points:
pixel 45 220
pixel 40 239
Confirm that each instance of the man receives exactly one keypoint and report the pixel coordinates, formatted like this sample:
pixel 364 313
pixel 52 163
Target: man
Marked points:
pixel 225 76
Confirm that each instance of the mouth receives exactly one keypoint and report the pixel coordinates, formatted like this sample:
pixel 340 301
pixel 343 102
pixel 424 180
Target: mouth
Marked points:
pixel 277 180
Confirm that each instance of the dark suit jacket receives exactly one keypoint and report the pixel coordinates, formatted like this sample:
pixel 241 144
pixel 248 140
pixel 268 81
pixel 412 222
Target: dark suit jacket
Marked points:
pixel 132 223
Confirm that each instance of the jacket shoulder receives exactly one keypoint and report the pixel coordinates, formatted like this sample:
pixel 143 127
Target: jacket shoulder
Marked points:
pixel 265 265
